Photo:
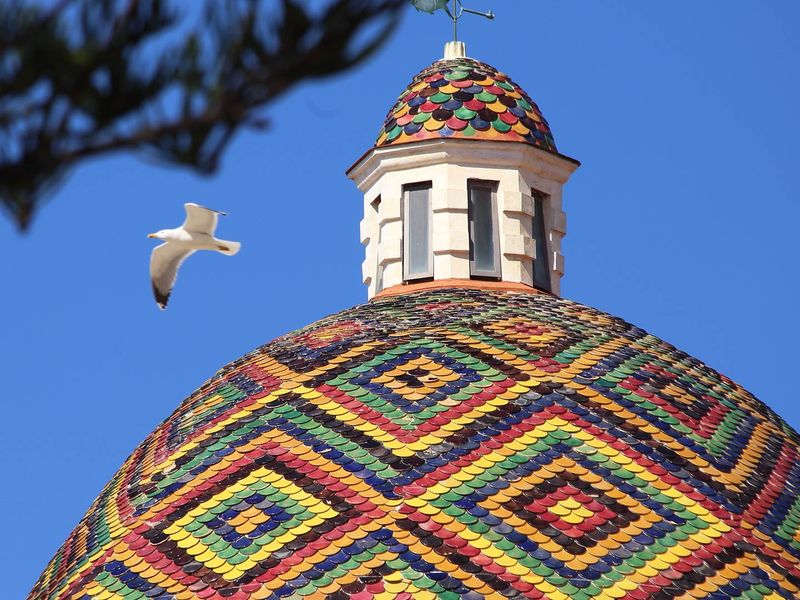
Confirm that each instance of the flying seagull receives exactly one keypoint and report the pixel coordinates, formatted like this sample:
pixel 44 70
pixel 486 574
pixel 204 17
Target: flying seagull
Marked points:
pixel 196 233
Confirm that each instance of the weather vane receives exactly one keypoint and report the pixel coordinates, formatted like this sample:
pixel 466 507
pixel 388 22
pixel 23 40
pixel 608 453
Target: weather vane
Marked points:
pixel 455 13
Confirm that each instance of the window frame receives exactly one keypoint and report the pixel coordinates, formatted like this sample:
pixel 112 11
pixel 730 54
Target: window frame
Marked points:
pixel 541 240
pixel 407 188
pixel 376 208
pixel 492 187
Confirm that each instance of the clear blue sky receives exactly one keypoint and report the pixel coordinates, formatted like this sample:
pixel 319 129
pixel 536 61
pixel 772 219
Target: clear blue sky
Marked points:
pixel 683 220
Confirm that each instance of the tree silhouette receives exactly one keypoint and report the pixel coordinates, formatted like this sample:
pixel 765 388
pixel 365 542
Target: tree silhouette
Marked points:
pixel 83 78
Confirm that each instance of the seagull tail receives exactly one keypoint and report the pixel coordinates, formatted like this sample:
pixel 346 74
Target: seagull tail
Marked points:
pixel 229 248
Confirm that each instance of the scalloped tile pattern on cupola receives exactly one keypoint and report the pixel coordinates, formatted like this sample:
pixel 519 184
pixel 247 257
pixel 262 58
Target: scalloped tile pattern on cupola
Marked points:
pixel 464 98
pixel 451 444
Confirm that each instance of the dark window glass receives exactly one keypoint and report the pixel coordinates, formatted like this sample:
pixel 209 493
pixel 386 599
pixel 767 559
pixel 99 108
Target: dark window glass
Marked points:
pixel 417 251
pixel 484 245
pixel 541 264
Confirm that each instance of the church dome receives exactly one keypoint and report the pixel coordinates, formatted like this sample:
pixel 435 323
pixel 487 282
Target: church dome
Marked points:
pixel 465 98
pixel 451 443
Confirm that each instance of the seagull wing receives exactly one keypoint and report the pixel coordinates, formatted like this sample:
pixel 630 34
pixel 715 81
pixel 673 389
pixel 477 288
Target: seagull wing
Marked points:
pixel 165 261
pixel 200 219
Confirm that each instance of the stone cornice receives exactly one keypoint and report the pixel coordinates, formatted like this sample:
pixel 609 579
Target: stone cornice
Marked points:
pixel 376 162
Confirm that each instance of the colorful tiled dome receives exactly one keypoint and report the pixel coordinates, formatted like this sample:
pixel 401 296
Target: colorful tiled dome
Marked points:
pixel 464 98
pixel 451 444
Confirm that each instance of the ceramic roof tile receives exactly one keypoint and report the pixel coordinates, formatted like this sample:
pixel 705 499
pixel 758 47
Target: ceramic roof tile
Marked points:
pixel 464 98
pixel 451 444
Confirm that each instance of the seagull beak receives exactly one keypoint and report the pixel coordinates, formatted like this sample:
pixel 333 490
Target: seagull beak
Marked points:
pixel 151 235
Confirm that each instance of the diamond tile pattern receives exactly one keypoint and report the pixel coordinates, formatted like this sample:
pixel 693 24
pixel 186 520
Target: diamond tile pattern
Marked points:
pixel 464 98
pixel 451 444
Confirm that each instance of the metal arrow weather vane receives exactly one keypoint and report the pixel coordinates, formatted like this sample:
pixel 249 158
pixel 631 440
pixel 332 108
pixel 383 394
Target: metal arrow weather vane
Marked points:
pixel 455 13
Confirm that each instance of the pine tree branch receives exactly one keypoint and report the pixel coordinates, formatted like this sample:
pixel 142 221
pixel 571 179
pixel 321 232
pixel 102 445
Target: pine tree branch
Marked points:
pixel 86 78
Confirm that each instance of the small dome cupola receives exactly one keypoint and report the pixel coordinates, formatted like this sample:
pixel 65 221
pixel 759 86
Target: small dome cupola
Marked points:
pixel 460 97
pixel 447 197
